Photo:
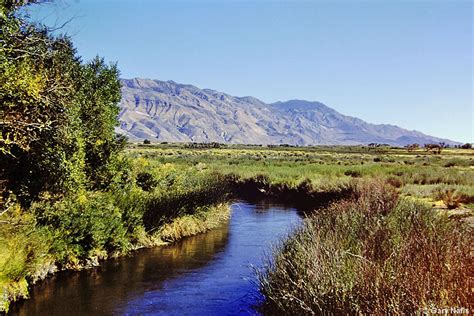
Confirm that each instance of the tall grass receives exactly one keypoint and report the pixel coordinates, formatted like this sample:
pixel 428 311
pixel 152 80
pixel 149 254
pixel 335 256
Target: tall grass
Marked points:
pixel 173 191
pixel 371 254
pixel 204 219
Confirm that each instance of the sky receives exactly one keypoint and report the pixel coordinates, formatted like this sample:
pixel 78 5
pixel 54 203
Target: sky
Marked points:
pixel 407 63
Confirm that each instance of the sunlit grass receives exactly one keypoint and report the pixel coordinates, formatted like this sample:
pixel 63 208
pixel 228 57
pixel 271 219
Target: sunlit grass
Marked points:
pixel 370 255
pixel 326 167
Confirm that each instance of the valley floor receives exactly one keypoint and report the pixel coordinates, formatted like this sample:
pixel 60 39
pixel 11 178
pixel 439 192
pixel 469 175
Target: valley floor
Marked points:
pixel 176 191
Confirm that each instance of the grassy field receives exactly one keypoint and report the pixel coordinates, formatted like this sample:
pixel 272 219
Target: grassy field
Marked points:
pixel 418 173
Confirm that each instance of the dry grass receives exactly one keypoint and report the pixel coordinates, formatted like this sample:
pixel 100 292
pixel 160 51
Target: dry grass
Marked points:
pixel 371 254
pixel 451 199
pixel 205 219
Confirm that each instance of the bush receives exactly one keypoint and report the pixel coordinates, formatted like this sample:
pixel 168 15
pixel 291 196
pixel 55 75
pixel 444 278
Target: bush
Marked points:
pixel 83 226
pixel 205 218
pixel 146 181
pixel 395 182
pixel 183 197
pixel 450 164
pixel 24 250
pixel 353 173
pixel 450 199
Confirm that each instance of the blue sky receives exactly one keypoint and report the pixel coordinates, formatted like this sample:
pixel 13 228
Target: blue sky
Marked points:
pixel 407 63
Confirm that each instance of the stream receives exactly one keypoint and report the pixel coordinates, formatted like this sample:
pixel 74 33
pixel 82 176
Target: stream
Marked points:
pixel 207 274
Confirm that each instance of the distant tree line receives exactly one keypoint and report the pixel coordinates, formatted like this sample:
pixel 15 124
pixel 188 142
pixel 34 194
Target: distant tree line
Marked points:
pixel 57 114
pixel 464 146
pixel 204 145
pixel 436 148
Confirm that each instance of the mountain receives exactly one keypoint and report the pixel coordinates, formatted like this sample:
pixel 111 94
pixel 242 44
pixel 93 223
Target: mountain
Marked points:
pixel 173 112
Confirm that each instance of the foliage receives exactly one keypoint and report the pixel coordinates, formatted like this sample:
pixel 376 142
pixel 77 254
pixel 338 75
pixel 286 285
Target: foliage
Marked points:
pixel 82 227
pixel 40 145
pixel 23 253
pixel 146 181
pixel 99 95
pixel 57 115
pixel 204 219
pixel 57 120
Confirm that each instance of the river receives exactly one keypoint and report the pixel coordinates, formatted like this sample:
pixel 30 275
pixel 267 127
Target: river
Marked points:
pixel 207 274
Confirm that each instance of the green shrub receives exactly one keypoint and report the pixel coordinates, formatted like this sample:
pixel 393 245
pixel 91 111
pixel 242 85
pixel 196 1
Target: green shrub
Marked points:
pixel 146 181
pixel 132 203
pixel 204 219
pixel 183 197
pixel 24 250
pixel 353 173
pixel 82 226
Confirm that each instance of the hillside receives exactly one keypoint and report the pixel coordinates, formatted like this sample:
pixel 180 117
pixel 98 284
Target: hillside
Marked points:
pixel 168 111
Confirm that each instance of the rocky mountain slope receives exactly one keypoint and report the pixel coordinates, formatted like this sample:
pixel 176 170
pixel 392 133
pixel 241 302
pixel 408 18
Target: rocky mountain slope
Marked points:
pixel 168 111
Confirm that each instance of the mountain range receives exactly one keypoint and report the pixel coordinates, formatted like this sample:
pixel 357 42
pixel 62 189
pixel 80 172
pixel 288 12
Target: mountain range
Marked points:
pixel 168 111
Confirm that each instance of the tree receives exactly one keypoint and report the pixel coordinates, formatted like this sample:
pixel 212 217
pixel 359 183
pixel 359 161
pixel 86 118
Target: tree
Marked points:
pixel 40 147
pixel 412 147
pixel 99 95
pixel 57 115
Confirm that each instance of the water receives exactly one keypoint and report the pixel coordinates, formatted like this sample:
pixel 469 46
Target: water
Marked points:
pixel 208 274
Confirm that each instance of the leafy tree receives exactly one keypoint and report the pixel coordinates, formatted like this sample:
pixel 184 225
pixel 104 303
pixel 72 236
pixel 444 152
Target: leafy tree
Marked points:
pixel 40 147
pixel 100 93
pixel 57 116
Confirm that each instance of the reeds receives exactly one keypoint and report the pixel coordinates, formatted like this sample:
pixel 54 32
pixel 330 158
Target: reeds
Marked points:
pixel 371 254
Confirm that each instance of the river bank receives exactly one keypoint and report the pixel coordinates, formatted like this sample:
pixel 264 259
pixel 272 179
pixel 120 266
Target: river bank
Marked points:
pixel 205 219
pixel 79 231
pixel 373 253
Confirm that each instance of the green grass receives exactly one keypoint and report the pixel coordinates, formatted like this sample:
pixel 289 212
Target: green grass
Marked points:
pixel 325 167
pixel 204 219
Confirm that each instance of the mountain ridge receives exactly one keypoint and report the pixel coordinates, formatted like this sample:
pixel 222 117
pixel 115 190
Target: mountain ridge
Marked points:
pixel 169 111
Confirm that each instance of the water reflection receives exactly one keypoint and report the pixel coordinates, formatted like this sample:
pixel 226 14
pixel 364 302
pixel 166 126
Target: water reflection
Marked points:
pixel 100 290
pixel 201 275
